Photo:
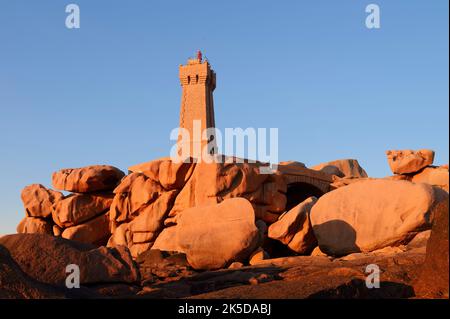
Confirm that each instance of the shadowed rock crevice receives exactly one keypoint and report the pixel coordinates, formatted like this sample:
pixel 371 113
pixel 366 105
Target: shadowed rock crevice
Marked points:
pixel 340 231
pixel 357 289
pixel 211 281
pixel 433 281
pixel 45 259
pixel 298 192
pixel 15 283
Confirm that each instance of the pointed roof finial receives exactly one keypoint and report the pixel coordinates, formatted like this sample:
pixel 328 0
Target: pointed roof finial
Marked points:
pixel 199 56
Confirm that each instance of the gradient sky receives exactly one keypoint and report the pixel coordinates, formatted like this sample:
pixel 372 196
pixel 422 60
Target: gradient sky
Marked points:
pixel 108 93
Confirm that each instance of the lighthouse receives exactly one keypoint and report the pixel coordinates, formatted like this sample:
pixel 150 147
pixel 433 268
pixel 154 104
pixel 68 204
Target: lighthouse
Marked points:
pixel 198 81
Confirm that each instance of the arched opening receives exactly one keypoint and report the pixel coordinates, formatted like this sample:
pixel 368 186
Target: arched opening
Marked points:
pixel 189 79
pixel 196 78
pixel 298 192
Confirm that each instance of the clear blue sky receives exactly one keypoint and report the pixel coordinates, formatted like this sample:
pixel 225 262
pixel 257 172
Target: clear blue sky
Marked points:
pixel 109 92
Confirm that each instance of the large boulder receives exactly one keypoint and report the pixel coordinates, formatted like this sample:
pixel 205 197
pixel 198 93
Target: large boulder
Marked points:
pixel 222 177
pixel 164 171
pixel 154 193
pixel 342 168
pixel 409 161
pixel 293 164
pixel 14 283
pixel 294 229
pixel 214 236
pixel 152 217
pixel 140 234
pixel 87 179
pixel 167 240
pixel 94 231
pixel 436 176
pixel 38 200
pixel 45 259
pixel 30 225
pixel 372 214
pixel 257 256
pixel 78 208
pixel 158 266
pixel 433 280
pixel 132 196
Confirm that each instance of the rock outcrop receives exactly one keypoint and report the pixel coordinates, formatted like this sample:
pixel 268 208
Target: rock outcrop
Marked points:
pixel 258 256
pixel 213 236
pixel 294 229
pixel 154 193
pixel 141 232
pixel 133 195
pixel 436 176
pixel 82 216
pixel 213 182
pixel 78 208
pixel 38 200
pixel 415 166
pixel 372 214
pixel 164 171
pixel 93 231
pixel 15 284
pixel 35 225
pixel 95 178
pixel 433 281
pixel 45 259
pixel 182 221
pixel 292 164
pixel 143 201
pixel 348 168
pixel 409 161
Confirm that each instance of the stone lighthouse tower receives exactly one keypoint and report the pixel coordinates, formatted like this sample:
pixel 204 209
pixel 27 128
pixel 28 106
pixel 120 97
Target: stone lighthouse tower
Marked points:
pixel 198 82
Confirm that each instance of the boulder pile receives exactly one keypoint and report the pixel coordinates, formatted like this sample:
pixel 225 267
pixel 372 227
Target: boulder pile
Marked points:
pixel 416 166
pixel 348 168
pixel 373 214
pixel 82 215
pixel 227 213
pixel 153 198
